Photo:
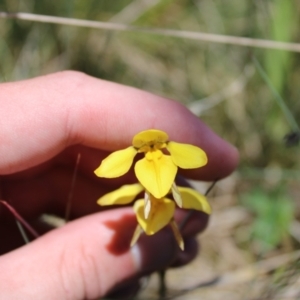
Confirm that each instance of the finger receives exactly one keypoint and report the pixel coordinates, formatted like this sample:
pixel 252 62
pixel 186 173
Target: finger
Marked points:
pixel 52 192
pixel 46 114
pixel 191 249
pixel 84 259
pixel 12 238
pixel 49 193
pixel 194 221
pixel 126 291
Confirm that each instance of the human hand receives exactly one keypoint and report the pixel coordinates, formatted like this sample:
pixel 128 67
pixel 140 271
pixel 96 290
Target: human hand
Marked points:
pixel 44 123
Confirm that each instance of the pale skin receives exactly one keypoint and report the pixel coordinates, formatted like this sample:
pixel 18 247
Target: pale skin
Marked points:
pixel 44 123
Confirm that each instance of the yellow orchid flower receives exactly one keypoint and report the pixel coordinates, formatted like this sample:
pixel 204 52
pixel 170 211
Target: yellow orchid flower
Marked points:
pixel 157 170
pixel 155 213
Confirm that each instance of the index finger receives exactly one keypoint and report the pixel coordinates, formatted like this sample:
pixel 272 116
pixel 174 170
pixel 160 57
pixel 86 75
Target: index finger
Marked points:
pixel 42 116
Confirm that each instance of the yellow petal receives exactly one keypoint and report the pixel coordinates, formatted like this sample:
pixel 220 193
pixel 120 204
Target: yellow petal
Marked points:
pixel 191 199
pixel 137 233
pixel 123 195
pixel 177 234
pixel 147 137
pixel 162 211
pixel 176 195
pixel 156 174
pixel 147 206
pixel 187 156
pixel 116 164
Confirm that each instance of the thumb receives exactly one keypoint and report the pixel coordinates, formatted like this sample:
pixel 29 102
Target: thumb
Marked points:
pixel 84 259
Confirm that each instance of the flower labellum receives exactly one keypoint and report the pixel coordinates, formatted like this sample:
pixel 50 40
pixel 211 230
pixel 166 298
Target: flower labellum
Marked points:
pixel 160 211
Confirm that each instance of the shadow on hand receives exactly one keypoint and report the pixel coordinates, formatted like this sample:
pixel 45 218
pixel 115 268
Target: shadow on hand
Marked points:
pixel 123 232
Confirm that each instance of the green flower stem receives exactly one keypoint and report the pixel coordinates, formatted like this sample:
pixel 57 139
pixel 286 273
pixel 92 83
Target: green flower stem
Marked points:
pixel 162 284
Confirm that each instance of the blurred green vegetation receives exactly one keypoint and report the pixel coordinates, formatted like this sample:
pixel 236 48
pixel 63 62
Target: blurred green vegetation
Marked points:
pixel 185 70
pixel 274 211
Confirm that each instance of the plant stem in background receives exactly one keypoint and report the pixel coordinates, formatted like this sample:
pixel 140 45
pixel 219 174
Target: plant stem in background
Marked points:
pixel 20 220
pixel 291 120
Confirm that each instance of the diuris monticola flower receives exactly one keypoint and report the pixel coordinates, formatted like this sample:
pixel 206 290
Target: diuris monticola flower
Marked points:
pixel 156 173
pixel 157 170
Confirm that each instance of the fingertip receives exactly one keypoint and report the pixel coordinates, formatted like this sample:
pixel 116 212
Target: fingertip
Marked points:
pixel 223 158
pixel 85 259
pixel 192 221
pixel 76 261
